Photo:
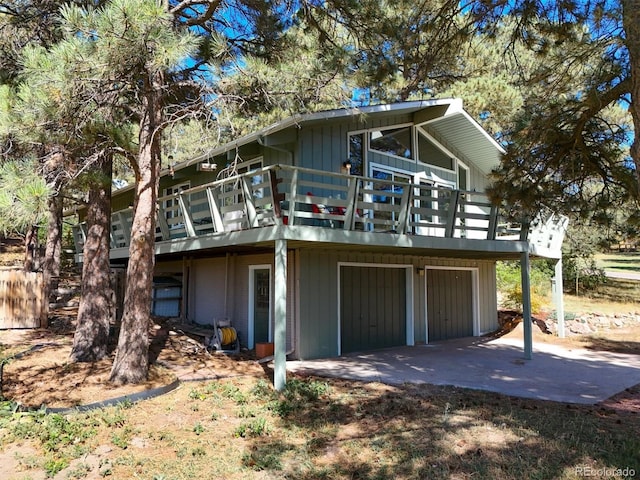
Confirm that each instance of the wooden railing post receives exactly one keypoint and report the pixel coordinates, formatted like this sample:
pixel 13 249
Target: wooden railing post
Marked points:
pixel 524 230
pixel 493 223
pixel 293 193
pixel 214 209
pixel 186 216
pixel 276 197
pixel 403 216
pixel 249 205
pixel 452 214
pixel 162 222
pixel 352 201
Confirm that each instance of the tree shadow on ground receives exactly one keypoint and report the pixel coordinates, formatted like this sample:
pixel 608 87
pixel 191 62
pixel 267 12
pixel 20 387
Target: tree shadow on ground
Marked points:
pixel 424 431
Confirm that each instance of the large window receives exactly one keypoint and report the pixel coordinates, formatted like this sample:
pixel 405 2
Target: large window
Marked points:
pixel 392 141
pixel 430 154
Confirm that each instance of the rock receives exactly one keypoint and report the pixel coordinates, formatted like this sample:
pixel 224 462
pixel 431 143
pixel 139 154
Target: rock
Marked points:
pixel 580 328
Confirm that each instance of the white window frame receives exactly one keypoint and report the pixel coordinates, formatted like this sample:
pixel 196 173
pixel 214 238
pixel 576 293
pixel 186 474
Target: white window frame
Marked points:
pixel 393 127
pixel 439 146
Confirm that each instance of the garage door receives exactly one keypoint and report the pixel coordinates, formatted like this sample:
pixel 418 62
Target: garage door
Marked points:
pixel 449 304
pixel 372 308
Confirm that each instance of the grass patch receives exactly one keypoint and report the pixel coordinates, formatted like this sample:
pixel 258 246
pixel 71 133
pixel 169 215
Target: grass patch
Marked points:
pixel 619 262
pixel 615 295
pixel 341 430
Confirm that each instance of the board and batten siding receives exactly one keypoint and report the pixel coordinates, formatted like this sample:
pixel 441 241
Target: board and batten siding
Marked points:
pixel 324 147
pixel 209 282
pixel 319 297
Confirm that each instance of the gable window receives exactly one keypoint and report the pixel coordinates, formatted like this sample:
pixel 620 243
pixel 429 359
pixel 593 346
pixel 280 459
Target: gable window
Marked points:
pixel 392 141
pixel 431 154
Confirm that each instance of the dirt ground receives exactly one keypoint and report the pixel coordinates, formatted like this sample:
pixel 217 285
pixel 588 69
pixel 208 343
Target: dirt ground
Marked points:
pixel 42 375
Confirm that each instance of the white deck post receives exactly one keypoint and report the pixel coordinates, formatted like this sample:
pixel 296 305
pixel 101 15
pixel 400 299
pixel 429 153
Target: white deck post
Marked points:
pixel 280 312
pixel 558 298
pixel 526 304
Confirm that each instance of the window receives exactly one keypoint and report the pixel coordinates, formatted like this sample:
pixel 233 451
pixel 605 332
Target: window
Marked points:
pixel 432 155
pixel 463 177
pixel 356 153
pixel 392 141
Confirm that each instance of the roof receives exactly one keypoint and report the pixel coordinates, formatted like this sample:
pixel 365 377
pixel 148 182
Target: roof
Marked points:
pixel 461 131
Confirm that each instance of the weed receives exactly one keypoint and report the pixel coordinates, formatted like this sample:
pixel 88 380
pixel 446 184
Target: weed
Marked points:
pixel 198 452
pixel 255 428
pixel 231 391
pixel 125 404
pixel 113 417
pixel 297 395
pixel 121 439
pixel 79 471
pixel 54 465
pixel 247 412
pixel 263 460
pixel 195 394
pixel 198 428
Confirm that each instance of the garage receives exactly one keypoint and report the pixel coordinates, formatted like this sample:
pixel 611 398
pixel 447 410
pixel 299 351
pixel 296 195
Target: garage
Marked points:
pixel 373 307
pixel 450 301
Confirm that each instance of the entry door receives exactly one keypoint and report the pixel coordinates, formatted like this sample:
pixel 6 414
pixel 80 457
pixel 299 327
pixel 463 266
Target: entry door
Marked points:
pixel 449 304
pixel 372 308
pixel 260 304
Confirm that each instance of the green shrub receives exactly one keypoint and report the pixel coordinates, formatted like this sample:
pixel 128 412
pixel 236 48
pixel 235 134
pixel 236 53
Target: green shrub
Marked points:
pixel 509 282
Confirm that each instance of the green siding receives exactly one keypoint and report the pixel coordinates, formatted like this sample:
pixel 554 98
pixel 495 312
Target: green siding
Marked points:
pixel 317 323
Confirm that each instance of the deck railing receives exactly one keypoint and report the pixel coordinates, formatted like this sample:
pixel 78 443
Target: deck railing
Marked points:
pixel 284 195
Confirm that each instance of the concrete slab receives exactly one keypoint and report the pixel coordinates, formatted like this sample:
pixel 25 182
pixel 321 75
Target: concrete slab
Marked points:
pixel 554 373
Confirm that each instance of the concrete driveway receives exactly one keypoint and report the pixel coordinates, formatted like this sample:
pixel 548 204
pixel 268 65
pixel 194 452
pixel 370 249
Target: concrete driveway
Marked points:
pixel 554 373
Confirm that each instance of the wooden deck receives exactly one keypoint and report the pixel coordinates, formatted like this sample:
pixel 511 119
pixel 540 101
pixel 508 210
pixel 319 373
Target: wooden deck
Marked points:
pixel 287 196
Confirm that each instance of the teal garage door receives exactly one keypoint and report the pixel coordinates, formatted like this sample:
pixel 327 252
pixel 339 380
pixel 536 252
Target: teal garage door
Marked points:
pixel 449 304
pixel 372 308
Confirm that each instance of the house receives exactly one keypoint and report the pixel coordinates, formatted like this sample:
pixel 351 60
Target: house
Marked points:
pixel 338 231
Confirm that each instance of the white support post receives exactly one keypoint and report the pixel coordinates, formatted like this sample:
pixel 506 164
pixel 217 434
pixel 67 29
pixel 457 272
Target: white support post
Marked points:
pixel 526 305
pixel 280 311
pixel 558 297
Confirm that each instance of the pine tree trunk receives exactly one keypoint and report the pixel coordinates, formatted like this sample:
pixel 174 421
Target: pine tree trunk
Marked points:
pixel 91 337
pixel 31 249
pixel 131 364
pixel 53 245
pixel 631 21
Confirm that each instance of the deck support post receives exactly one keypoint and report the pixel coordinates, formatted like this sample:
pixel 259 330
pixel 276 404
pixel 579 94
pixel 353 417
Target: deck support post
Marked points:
pixel 280 312
pixel 525 268
pixel 558 297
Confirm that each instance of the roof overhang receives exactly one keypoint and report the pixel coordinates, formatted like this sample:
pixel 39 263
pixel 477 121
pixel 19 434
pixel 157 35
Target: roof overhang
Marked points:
pixel 450 123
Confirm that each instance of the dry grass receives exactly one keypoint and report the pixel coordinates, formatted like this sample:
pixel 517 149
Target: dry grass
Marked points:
pixel 239 428
pixel 614 296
